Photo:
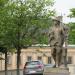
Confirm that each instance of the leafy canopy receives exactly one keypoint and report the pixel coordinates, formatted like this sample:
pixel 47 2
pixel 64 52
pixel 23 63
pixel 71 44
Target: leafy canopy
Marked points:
pixel 22 22
pixel 72 27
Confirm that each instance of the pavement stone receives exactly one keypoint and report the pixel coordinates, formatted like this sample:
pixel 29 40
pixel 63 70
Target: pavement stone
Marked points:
pixel 55 71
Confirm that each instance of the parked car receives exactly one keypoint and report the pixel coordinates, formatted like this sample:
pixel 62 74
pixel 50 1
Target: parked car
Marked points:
pixel 33 68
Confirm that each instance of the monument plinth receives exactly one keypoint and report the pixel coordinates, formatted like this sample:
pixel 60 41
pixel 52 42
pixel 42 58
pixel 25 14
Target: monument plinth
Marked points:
pixel 56 71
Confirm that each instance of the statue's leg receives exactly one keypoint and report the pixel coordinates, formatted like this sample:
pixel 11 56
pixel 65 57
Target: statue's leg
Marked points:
pixel 58 56
pixel 53 53
pixel 64 57
pixel 63 54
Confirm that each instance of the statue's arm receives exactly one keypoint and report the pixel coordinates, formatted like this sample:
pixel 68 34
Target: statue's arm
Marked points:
pixel 66 32
pixel 51 34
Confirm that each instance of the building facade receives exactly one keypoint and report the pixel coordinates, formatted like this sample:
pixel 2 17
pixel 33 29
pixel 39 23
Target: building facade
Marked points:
pixel 35 53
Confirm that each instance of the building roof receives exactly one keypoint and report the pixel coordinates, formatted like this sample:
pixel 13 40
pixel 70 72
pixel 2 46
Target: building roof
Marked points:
pixel 44 45
pixel 71 46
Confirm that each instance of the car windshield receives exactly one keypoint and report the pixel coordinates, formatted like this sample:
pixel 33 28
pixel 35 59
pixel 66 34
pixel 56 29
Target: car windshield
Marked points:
pixel 33 63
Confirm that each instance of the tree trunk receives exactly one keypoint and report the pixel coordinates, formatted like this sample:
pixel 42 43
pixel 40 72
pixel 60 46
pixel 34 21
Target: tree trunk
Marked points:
pixel 6 63
pixel 18 61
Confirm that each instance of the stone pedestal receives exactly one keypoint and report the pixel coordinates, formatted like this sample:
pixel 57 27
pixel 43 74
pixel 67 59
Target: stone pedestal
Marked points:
pixel 55 71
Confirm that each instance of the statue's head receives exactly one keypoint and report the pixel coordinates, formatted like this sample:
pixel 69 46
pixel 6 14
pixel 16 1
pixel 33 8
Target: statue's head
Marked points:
pixel 57 20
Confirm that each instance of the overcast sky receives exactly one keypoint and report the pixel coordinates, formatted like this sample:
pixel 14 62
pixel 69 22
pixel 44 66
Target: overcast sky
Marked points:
pixel 62 7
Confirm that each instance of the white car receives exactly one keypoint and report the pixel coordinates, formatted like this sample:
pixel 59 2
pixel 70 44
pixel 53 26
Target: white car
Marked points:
pixel 33 68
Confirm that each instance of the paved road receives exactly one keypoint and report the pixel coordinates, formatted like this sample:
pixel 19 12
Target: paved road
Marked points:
pixel 55 71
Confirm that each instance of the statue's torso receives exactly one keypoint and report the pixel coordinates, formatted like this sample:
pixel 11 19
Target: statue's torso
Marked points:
pixel 58 38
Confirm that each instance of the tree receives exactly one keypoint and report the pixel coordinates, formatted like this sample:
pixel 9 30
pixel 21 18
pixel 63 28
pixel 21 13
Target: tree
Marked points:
pixel 23 23
pixel 72 33
pixel 72 14
pixel 4 43
pixel 72 27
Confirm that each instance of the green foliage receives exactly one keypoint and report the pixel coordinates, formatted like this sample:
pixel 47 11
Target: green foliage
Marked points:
pixel 23 22
pixel 3 49
pixel 72 33
pixel 72 27
pixel 72 12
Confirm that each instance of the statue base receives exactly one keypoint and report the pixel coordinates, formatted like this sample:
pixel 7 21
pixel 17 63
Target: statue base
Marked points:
pixel 56 71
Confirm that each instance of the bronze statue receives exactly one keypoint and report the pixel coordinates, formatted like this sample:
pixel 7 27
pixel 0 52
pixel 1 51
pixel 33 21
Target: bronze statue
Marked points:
pixel 57 37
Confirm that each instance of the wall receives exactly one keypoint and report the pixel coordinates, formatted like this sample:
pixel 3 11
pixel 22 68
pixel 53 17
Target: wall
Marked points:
pixel 34 52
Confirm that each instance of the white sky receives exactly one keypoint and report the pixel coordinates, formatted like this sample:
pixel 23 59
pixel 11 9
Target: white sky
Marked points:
pixel 62 7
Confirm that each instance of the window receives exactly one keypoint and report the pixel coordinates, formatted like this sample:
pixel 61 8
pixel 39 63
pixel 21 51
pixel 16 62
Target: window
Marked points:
pixel 69 60
pixel 9 60
pixel 49 60
pixel 39 58
pixel 29 58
